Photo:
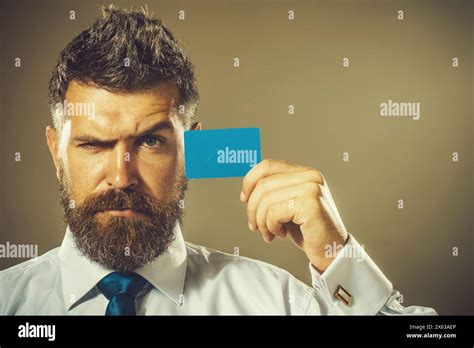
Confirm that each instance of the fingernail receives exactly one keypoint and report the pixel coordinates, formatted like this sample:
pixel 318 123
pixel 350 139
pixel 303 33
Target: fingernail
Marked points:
pixel 242 196
pixel 250 226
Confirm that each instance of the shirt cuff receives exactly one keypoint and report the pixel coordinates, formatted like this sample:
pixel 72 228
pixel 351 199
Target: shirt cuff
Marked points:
pixel 353 282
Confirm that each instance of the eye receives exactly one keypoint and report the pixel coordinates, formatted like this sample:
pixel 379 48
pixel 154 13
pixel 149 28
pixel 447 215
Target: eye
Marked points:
pixel 151 141
pixel 88 146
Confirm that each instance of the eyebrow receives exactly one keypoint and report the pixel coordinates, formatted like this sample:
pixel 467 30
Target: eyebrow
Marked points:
pixel 152 129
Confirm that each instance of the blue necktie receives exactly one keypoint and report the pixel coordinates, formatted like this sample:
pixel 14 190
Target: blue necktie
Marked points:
pixel 121 290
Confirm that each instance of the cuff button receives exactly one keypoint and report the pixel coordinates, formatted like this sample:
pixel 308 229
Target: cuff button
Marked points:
pixel 343 295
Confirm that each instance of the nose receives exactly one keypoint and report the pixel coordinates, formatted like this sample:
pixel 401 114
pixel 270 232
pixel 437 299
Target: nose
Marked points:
pixel 121 173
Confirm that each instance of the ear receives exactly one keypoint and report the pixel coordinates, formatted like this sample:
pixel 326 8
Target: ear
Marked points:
pixel 52 140
pixel 196 126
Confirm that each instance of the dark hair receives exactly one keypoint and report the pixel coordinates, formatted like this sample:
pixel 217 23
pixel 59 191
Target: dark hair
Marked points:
pixel 97 57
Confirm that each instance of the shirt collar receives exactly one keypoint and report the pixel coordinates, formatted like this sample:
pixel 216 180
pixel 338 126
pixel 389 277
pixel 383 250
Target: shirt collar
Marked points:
pixel 79 275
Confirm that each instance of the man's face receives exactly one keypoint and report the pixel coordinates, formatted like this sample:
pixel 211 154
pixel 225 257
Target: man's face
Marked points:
pixel 121 173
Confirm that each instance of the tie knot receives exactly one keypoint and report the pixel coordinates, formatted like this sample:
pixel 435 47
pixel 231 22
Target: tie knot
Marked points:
pixel 118 283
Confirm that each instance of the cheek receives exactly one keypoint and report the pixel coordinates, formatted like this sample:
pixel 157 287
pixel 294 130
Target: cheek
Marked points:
pixel 83 174
pixel 161 173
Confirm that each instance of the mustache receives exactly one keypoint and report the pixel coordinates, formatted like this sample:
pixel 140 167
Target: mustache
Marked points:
pixel 119 200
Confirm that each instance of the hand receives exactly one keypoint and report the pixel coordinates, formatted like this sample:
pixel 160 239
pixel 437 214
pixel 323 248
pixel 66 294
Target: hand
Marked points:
pixel 287 199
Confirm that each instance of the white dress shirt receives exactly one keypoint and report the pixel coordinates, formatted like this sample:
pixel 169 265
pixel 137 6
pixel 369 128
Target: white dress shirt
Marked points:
pixel 191 279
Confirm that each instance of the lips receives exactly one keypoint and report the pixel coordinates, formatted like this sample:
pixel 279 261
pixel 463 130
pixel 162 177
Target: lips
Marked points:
pixel 122 212
pixel 101 210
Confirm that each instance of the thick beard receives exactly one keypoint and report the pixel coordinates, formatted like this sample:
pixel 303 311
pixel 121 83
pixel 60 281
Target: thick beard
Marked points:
pixel 122 243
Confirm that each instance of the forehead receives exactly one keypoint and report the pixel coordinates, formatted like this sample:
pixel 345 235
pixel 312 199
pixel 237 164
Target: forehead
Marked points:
pixel 95 109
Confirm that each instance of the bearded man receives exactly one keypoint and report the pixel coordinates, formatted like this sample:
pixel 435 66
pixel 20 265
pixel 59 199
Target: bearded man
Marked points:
pixel 122 183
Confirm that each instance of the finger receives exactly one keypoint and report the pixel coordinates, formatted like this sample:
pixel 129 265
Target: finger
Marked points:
pixel 279 222
pixel 292 197
pixel 274 182
pixel 268 237
pixel 263 169
pixel 279 214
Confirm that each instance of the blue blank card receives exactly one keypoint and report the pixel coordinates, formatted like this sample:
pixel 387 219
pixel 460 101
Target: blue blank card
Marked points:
pixel 221 153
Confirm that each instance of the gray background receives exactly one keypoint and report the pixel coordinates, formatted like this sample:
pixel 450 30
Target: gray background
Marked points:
pixel 337 110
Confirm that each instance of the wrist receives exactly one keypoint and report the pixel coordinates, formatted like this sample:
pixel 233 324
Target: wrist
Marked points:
pixel 322 260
